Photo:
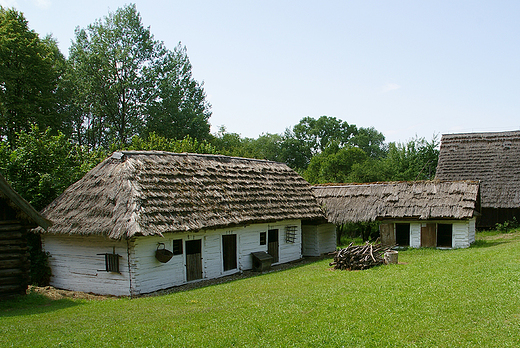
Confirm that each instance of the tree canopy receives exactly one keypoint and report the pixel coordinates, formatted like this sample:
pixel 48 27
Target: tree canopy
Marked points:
pixel 29 74
pixel 127 83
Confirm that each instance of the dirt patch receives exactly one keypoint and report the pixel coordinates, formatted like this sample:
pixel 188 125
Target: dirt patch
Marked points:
pixel 58 294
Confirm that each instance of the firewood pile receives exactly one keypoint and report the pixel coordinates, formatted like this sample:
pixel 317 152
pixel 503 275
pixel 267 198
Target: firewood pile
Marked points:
pixel 358 257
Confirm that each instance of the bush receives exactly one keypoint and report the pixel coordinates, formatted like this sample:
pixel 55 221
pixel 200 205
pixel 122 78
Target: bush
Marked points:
pixel 507 225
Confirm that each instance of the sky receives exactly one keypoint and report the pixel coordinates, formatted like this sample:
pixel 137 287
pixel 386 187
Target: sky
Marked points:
pixel 407 68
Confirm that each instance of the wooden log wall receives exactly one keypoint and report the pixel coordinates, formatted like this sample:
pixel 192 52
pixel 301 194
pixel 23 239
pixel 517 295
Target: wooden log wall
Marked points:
pixel 14 259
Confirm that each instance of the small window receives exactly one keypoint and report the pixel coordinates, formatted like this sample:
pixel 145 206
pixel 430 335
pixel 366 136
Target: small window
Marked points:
pixel 177 247
pixel 290 234
pixel 112 261
pixel 263 238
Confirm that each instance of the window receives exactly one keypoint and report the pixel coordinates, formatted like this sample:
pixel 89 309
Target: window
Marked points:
pixel 177 247
pixel 263 238
pixel 112 261
pixel 290 234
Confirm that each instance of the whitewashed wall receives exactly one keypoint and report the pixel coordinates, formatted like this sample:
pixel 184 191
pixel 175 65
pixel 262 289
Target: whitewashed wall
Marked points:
pixel 327 238
pixel 151 275
pixel 318 239
pixel 76 265
pixel 463 233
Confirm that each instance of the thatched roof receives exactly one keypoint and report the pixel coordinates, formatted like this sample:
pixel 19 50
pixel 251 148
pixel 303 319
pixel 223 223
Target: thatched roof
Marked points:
pixel 25 210
pixel 421 200
pixel 151 193
pixel 491 158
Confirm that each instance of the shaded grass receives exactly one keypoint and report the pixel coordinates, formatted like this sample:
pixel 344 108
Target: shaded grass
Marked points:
pixel 435 298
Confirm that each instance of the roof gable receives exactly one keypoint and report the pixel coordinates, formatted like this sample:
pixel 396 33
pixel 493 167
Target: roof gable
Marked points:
pixel 151 193
pixel 398 200
pixel 491 158
pixel 25 210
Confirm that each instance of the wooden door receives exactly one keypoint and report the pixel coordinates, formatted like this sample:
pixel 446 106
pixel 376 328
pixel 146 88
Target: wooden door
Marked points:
pixel 386 230
pixel 272 244
pixel 229 251
pixel 428 235
pixel 193 260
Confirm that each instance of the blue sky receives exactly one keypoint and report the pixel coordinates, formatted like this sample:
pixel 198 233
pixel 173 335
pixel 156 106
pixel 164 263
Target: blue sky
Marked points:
pixel 406 68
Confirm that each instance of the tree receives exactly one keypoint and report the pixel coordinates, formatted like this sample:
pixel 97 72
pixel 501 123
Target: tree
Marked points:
pixel 42 165
pixel 318 134
pixel 30 69
pixel 128 83
pixel 414 160
pixel 179 107
pixel 371 141
pixel 333 164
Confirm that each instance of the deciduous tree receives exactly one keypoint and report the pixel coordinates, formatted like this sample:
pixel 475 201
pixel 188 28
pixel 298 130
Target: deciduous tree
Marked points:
pixel 30 69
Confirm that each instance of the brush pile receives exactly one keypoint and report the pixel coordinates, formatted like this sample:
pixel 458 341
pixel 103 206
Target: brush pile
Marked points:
pixel 358 257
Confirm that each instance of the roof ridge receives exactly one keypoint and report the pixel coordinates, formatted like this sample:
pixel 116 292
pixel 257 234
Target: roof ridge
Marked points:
pixel 120 154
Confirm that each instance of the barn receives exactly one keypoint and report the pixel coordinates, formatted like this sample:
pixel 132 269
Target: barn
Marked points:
pixel 144 221
pixel 17 216
pixel 493 159
pixel 415 214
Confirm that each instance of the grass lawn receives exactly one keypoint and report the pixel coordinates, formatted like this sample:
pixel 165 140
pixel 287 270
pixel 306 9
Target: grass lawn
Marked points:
pixel 435 298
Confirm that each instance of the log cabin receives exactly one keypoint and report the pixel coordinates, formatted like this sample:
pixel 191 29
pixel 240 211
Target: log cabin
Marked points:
pixel 494 160
pixel 145 221
pixel 17 217
pixel 412 214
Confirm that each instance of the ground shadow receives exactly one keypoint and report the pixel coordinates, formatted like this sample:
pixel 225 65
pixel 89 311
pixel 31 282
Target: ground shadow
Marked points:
pixel 33 303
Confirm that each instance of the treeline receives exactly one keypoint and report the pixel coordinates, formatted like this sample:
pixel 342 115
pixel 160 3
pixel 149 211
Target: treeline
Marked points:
pixel 120 89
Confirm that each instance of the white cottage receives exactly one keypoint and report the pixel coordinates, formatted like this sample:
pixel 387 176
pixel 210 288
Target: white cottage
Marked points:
pixel 144 221
pixel 415 214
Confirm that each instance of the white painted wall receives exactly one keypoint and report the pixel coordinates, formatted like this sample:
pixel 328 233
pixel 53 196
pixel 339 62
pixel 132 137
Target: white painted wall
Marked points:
pixel 76 265
pixel 318 239
pixel 151 275
pixel 326 238
pixel 463 233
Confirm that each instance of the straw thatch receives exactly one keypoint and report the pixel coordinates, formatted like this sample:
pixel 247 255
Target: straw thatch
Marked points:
pixel 421 200
pixel 151 193
pixel 491 158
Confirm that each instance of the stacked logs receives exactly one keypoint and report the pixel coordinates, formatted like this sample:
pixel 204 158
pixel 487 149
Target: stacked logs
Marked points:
pixel 358 257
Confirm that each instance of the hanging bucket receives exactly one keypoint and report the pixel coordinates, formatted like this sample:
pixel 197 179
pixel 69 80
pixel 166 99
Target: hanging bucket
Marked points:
pixel 162 254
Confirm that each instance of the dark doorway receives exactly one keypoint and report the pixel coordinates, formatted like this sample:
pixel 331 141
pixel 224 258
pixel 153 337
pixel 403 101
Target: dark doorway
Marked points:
pixel 428 236
pixel 272 244
pixel 193 259
pixel 402 234
pixel 229 251
pixel 444 235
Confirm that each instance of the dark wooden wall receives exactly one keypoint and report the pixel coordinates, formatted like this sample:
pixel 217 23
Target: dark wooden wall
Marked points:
pixel 14 254
pixel 491 216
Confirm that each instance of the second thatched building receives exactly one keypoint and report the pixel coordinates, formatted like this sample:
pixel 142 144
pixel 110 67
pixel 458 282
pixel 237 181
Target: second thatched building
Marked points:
pixel 415 214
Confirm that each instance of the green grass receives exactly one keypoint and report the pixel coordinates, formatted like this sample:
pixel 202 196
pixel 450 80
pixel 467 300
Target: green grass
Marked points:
pixel 435 298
